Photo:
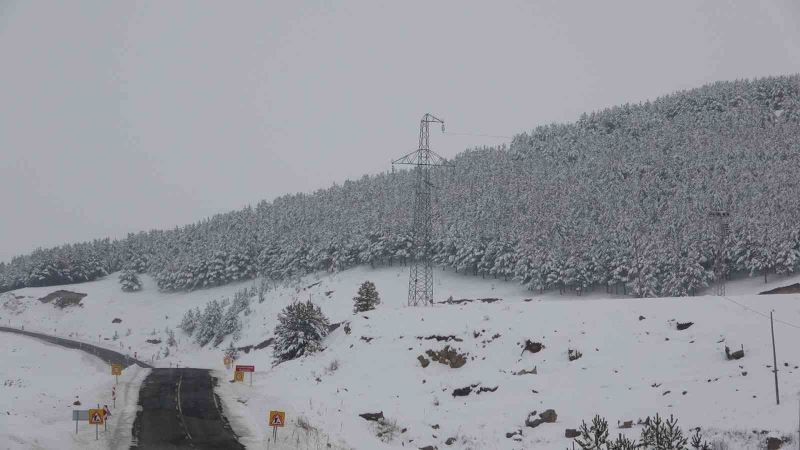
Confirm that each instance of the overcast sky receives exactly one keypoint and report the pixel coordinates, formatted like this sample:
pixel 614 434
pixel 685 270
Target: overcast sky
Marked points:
pixel 122 116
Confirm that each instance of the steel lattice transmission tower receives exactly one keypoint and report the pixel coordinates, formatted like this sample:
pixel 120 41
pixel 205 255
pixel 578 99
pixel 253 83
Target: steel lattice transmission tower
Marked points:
pixel 420 279
pixel 723 228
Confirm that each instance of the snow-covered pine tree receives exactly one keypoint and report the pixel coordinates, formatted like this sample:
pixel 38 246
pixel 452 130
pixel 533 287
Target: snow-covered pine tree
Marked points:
pixel 209 322
pixel 300 330
pixel 367 298
pixel 191 319
pixel 129 281
pixel 229 325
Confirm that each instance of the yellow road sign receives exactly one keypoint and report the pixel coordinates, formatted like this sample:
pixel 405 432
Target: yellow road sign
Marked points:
pixel 116 369
pixel 277 418
pixel 96 416
pixel 238 376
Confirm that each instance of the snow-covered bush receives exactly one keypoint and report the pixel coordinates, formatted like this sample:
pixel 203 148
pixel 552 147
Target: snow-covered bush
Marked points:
pixel 657 434
pixel 367 298
pixel 301 328
pixel 129 281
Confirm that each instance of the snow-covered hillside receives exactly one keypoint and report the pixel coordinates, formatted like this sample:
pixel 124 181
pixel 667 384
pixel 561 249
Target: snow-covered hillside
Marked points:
pixel 40 382
pixel 631 366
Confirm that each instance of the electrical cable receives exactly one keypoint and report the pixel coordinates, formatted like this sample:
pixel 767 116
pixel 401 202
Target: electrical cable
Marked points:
pixel 479 135
pixel 758 312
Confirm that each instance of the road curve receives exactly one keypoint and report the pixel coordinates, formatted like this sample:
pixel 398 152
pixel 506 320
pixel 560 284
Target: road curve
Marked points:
pixel 109 356
pixel 179 410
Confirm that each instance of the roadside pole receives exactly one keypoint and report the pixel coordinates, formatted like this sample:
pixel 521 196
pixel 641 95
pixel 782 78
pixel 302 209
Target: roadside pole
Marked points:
pixel 774 358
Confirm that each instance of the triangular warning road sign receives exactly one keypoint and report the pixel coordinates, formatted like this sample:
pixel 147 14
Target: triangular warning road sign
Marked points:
pixel 276 421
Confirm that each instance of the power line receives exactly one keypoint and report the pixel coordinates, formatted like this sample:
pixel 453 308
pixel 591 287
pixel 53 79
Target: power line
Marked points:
pixel 479 135
pixel 766 316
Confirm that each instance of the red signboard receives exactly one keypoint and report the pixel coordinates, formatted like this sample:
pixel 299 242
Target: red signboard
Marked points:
pixel 245 368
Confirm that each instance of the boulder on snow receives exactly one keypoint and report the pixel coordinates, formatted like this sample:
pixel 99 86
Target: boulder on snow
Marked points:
pixel 682 326
pixel 774 443
pixel 62 298
pixel 533 347
pixel 424 361
pixel 571 433
pixel 116 320
pixel 372 417
pixel 549 416
pixel 462 392
pixel 448 356
pixel 738 354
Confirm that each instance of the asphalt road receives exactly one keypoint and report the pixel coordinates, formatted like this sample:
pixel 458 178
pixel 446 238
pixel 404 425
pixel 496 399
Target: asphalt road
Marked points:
pixel 109 356
pixel 179 410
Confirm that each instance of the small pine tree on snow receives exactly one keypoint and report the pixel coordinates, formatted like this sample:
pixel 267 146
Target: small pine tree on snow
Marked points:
pixel 593 437
pixel 171 338
pixel 367 298
pixel 663 435
pixel 129 281
pixel 300 330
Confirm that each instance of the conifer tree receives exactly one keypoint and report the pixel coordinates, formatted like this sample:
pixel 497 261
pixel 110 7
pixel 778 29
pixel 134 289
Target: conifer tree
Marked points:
pixel 367 298
pixel 129 281
pixel 301 328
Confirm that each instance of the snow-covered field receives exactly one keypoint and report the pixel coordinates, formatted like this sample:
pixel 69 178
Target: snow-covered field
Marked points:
pixel 41 381
pixel 630 368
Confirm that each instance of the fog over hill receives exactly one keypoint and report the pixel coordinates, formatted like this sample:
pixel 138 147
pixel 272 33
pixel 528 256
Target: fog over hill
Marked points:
pixel 620 199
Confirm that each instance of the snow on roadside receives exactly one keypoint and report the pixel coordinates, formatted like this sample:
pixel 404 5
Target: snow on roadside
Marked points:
pixel 40 383
pixel 630 368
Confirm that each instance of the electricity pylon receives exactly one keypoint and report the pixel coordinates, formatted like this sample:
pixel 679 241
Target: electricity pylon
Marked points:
pixel 420 279
pixel 723 228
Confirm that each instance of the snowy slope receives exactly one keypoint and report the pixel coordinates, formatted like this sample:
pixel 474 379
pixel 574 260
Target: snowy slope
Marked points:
pixel 40 384
pixel 630 368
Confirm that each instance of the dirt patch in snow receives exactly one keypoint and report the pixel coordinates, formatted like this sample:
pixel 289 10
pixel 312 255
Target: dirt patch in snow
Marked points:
pixel 791 289
pixel 62 299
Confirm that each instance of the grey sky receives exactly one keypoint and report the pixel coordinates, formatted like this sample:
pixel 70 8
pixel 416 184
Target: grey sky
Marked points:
pixel 121 116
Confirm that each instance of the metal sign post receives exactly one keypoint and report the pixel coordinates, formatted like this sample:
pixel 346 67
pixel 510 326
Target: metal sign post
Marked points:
pixel 276 419
pixel 250 369
pixel 96 417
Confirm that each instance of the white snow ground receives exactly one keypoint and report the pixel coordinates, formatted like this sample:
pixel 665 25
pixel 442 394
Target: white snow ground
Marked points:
pixel 630 368
pixel 41 381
